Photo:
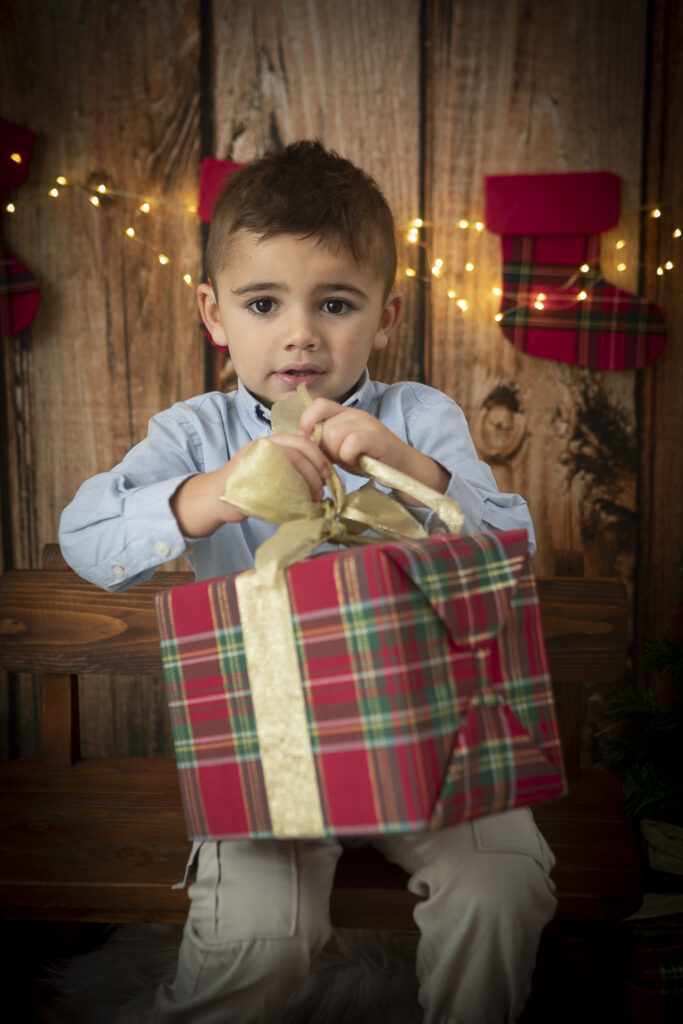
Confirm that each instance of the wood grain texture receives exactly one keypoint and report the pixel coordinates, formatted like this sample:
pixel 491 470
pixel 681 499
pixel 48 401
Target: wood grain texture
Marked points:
pixel 112 92
pixel 540 88
pixel 659 605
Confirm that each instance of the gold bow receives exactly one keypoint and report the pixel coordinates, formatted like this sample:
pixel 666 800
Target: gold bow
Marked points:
pixel 264 484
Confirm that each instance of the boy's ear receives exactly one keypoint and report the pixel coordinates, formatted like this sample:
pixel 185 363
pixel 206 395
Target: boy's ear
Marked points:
pixel 210 314
pixel 389 319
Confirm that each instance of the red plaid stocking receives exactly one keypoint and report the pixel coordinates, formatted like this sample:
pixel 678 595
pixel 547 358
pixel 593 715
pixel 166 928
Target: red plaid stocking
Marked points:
pixel 550 226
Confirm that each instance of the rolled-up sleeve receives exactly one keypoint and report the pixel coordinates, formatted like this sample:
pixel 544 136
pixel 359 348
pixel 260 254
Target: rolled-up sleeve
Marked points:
pixel 437 426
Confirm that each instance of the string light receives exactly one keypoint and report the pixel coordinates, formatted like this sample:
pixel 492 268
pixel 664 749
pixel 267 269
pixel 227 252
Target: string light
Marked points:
pixel 463 224
pixel 102 189
pixel 469 266
pixel 539 305
pixel 668 265
pixel 451 294
pixel 54 192
pixel 130 232
pixel 95 200
pixel 584 268
pixel 463 305
pixel 498 317
pixel 17 158
pixel 410 272
pixel 418 222
pixel 412 235
pixel 478 226
pixel 621 266
pixel 163 259
pixel 187 278
pixel 660 271
pixel 10 208
pixel 620 244
pixel 656 213
pixel 677 233
pixel 61 180
pixel 582 296
pixel 497 291
pixel 145 208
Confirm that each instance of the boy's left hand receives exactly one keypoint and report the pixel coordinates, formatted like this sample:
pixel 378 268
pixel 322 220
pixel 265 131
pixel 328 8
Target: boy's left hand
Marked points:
pixel 349 433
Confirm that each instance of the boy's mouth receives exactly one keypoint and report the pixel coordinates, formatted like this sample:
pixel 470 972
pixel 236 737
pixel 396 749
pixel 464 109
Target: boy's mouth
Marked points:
pixel 292 376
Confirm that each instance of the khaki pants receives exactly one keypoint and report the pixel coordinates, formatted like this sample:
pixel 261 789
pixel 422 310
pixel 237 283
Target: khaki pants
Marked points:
pixel 260 912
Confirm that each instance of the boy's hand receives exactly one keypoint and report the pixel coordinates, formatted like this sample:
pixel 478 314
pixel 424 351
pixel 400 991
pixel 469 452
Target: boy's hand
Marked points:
pixel 196 504
pixel 349 433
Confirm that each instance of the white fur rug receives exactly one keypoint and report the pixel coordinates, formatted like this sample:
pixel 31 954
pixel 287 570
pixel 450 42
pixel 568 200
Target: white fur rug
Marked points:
pixel 359 978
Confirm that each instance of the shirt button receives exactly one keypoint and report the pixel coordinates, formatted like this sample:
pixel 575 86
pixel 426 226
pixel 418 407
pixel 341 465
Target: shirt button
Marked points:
pixel 162 548
pixel 118 571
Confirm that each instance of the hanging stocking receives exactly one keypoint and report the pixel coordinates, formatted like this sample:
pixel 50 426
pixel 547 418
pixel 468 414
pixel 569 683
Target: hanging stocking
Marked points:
pixel 550 226
pixel 19 291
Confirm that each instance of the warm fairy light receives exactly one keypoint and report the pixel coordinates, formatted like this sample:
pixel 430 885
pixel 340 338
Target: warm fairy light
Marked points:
pixel 621 243
pixel 497 291
pixel 581 296
pixel 192 209
pixel 539 305
pixel 163 259
pixel 621 266
pixel 130 232
pixel 463 304
pixel 410 272
pixel 677 233
pixel 498 317
pixel 418 222
pixel 469 266
pixel 17 158
pixel 660 271
pixel 412 236
pixel 61 180
pixel 436 270
pixel 668 265
pixel 584 268
pixel 541 297
pixel 187 278
pixel 102 189
pixel 656 213
pixel 10 208
pixel 54 192
pixel 95 200
pixel 145 207
pixel 463 224
pixel 451 294
pixel 479 226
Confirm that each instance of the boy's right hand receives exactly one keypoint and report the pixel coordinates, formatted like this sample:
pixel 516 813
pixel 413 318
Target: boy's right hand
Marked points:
pixel 197 506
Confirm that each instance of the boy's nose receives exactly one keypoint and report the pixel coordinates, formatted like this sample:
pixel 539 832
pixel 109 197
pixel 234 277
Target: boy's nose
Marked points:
pixel 300 332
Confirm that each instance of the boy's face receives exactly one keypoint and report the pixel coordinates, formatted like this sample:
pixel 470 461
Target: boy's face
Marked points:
pixel 292 311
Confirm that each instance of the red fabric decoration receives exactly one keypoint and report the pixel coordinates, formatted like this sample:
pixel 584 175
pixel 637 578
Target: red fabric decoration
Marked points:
pixel 15 139
pixel 550 225
pixel 212 177
pixel 19 296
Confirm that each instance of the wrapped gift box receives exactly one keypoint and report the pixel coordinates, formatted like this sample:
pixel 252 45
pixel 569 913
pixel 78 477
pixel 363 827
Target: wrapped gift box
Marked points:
pixel 417 696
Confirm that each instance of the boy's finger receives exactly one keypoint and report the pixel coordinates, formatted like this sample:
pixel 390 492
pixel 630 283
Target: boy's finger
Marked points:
pixel 318 411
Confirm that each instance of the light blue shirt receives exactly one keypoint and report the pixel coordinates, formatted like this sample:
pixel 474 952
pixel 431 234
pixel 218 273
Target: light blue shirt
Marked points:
pixel 119 527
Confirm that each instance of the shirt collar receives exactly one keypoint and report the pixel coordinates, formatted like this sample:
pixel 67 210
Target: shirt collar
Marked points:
pixel 257 413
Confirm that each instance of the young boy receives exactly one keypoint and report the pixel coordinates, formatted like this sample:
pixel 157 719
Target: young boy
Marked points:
pixel 301 262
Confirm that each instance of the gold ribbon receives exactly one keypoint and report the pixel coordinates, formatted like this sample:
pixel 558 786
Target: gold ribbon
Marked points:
pixel 264 484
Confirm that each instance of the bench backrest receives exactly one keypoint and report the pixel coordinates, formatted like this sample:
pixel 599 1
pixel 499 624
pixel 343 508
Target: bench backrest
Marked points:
pixel 54 623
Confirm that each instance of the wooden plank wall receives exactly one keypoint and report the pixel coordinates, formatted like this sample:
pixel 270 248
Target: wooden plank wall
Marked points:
pixel 429 97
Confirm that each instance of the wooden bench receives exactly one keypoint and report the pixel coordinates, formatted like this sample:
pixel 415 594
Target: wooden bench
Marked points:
pixel 103 839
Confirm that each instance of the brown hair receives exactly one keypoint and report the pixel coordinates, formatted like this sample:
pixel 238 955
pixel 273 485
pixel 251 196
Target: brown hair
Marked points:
pixel 311 192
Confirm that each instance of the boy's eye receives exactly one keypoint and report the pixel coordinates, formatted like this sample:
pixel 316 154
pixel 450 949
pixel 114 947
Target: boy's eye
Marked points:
pixel 337 307
pixel 262 306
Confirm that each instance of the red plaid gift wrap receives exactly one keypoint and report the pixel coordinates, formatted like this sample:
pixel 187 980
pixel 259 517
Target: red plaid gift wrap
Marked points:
pixel 424 683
